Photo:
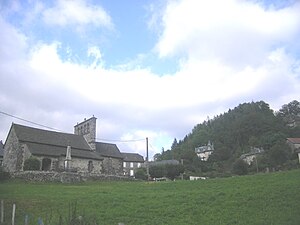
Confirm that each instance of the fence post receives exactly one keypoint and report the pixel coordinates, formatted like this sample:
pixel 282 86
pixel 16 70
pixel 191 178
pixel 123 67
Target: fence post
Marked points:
pixel 26 220
pixel 2 212
pixel 13 214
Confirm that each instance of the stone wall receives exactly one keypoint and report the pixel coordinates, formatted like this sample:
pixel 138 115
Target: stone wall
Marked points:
pixel 12 153
pixel 112 166
pixel 64 177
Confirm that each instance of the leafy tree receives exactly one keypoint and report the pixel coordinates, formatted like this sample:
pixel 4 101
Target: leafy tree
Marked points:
pixel 32 163
pixel 240 167
pixel 290 112
pixel 173 171
pixel 157 171
pixel 157 157
pixel 141 174
pixel 278 154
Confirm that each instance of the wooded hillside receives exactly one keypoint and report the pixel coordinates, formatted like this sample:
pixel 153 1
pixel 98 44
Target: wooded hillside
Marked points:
pixel 233 133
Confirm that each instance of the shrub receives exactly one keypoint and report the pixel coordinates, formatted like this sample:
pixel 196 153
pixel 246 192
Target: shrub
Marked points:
pixel 32 163
pixel 170 171
pixel 174 170
pixel 157 171
pixel 141 174
pixel 240 167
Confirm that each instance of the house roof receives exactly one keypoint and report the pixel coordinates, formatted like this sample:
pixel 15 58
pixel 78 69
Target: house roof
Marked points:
pixel 56 151
pixel 108 150
pixel 51 143
pixel 164 162
pixel 253 151
pixel 132 157
pixel 205 148
pixel 35 135
pixel 294 140
pixel 1 149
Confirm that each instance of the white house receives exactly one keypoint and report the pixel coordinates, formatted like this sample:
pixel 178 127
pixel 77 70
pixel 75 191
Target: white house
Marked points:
pixel 203 152
pixel 250 156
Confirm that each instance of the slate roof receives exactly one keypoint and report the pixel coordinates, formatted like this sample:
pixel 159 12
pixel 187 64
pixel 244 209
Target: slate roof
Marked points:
pixel 132 157
pixel 56 151
pixel 108 150
pixel 164 162
pixel 51 143
pixel 253 151
pixel 35 135
pixel 1 149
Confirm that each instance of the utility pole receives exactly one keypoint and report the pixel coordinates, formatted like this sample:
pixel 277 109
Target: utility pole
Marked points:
pixel 147 158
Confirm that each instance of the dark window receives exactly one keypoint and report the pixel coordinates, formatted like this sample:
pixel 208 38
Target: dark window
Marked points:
pixel 46 164
pixel 90 166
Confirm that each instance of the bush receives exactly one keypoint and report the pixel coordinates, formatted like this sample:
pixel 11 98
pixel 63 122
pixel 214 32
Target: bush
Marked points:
pixel 240 167
pixel 170 171
pixel 141 174
pixel 3 175
pixel 32 163
pixel 174 171
pixel 157 171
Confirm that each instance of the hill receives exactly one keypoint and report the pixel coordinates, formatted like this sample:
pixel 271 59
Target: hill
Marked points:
pixel 233 133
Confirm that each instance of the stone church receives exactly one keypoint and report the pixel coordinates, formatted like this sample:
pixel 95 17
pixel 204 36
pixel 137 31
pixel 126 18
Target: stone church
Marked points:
pixel 57 151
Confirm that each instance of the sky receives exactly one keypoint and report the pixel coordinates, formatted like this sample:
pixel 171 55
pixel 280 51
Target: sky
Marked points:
pixel 149 68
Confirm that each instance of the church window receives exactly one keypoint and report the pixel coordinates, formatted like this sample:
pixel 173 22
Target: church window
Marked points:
pixel 90 166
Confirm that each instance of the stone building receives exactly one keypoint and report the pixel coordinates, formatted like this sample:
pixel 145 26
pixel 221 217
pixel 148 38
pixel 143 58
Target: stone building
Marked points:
pixel 57 151
pixel 294 144
pixel 131 161
pixel 203 152
pixel 112 158
pixel 1 152
pixel 252 155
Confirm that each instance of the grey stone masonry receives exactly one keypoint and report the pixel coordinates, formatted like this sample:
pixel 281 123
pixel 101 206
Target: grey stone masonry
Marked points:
pixel 13 153
pixel 87 129
pixel 64 177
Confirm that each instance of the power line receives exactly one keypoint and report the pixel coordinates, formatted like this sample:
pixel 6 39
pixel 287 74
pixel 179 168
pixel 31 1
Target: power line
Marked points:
pixel 28 121
pixel 136 140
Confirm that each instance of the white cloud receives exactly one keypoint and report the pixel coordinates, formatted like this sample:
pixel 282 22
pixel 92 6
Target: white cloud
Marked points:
pixel 77 12
pixel 232 31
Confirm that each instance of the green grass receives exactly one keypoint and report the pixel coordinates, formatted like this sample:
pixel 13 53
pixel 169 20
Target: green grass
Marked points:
pixel 261 199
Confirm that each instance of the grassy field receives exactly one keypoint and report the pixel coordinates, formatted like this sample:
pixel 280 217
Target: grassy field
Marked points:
pixel 261 199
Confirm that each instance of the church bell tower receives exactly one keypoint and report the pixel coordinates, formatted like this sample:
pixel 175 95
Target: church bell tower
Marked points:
pixel 87 129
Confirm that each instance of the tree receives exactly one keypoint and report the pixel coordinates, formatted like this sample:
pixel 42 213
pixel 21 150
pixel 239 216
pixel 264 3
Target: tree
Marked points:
pixel 240 167
pixel 278 154
pixel 32 163
pixel 157 157
pixel 141 174
pixel 174 144
pixel 290 113
pixel 157 171
pixel 173 171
